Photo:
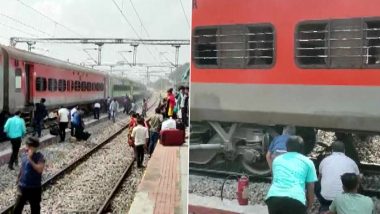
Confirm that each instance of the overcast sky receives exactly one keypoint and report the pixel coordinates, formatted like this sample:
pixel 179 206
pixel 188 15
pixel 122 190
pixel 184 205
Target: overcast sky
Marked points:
pixel 163 19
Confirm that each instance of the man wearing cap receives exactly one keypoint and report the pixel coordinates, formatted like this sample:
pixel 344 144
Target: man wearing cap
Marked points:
pixel 15 129
pixel 29 178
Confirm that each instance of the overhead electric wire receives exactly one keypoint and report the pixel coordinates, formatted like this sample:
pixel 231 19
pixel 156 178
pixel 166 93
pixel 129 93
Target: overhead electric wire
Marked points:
pixel 184 13
pixel 42 14
pixel 134 30
pixel 24 24
pixel 146 31
pixel 126 19
pixel 16 29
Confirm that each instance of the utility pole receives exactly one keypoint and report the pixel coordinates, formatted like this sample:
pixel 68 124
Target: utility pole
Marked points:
pixel 99 44
pixel 176 54
pixel 134 45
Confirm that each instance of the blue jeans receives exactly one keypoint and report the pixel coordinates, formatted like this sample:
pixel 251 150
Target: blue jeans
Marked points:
pixel 153 140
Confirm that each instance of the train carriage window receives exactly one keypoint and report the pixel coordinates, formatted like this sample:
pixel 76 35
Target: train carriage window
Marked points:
pixel 341 43
pixel 88 86
pixel 77 85
pixel 205 52
pixel 83 86
pixel 93 87
pixel 61 85
pixel 52 84
pixel 234 46
pixel 73 86
pixel 18 74
pixel 101 86
pixel 41 84
pixel 68 85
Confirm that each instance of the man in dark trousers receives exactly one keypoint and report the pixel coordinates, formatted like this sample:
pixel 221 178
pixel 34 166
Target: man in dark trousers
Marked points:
pixel 40 113
pixel 63 121
pixel 29 178
pixel 15 130
pixel 140 136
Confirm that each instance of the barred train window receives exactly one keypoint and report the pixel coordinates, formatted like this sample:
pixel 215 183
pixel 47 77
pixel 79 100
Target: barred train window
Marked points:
pixel 343 43
pixel 61 85
pixel 234 46
pixel 77 85
pixel 52 84
pixel 41 84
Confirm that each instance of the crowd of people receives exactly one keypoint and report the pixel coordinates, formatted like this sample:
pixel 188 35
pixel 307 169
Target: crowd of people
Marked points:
pixel 295 182
pixel 145 131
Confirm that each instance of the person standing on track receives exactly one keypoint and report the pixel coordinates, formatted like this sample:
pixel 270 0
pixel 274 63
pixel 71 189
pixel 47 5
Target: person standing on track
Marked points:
pixel 114 106
pixel 330 171
pixel 96 110
pixel 155 126
pixel 140 136
pixel 15 130
pixel 144 108
pixel 63 120
pixel 72 112
pixel 293 173
pixel 29 178
pixel 40 113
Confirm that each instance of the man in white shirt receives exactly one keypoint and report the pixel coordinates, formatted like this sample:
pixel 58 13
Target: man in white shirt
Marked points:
pixel 63 120
pixel 72 112
pixel 330 171
pixel 96 110
pixel 169 124
pixel 140 136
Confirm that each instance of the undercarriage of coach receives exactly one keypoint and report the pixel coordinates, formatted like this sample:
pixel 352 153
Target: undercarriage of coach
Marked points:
pixel 241 148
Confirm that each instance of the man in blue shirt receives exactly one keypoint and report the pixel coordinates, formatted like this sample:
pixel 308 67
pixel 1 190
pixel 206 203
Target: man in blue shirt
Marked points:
pixel 278 144
pixel 292 174
pixel 15 129
pixel 29 178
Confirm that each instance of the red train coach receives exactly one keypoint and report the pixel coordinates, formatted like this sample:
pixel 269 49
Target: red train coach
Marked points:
pixel 27 77
pixel 313 64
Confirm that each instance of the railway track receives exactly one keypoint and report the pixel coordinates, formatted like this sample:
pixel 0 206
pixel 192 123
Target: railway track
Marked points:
pixel 367 169
pixel 71 166
pixel 80 160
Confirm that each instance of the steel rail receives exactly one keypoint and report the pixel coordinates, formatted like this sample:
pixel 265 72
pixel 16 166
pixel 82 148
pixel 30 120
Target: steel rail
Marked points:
pixel 127 172
pixel 74 163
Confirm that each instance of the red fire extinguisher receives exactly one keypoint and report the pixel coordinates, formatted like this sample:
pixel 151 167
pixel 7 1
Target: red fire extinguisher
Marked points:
pixel 242 190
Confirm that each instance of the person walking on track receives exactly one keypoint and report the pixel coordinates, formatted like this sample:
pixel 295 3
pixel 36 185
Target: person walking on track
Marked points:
pixel 15 130
pixel 63 120
pixel 40 113
pixel 29 178
pixel 140 137
pixel 72 112
pixel 114 106
pixel 96 110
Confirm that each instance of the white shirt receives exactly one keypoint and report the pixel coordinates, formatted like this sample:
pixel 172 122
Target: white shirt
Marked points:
pixel 140 134
pixel 97 105
pixel 331 168
pixel 63 115
pixel 72 112
pixel 168 124
pixel 183 97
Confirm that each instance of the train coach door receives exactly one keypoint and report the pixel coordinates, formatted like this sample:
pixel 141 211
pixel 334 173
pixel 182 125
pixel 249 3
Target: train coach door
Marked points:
pixel 28 84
